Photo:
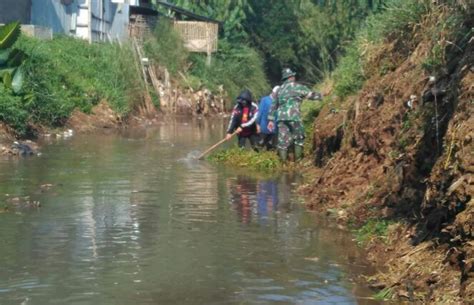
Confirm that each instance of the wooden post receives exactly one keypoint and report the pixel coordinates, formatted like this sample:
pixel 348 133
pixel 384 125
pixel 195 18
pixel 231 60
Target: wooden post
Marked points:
pixel 208 45
pixel 208 59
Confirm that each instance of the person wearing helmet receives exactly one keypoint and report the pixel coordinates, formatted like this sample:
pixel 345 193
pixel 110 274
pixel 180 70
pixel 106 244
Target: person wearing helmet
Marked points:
pixel 286 114
pixel 243 120
pixel 267 137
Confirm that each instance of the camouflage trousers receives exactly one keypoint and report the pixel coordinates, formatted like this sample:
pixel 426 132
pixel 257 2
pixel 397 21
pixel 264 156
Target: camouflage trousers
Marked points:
pixel 290 132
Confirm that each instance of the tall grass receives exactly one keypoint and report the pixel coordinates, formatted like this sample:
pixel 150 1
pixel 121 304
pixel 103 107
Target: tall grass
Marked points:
pixel 233 67
pixel 64 74
pixel 167 48
pixel 397 20
pixel 12 111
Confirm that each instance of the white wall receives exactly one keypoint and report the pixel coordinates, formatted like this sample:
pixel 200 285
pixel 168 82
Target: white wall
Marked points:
pixel 109 21
pixel 93 20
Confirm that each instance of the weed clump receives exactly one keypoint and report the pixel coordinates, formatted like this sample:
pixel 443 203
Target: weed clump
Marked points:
pixel 259 161
pixel 372 229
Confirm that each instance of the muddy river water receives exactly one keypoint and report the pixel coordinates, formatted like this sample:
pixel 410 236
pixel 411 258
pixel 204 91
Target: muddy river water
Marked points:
pixel 129 218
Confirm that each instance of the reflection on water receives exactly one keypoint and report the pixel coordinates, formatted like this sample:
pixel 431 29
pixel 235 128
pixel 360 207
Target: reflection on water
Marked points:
pixel 134 219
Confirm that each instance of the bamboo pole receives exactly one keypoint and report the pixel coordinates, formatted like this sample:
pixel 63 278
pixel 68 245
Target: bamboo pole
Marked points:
pixel 215 146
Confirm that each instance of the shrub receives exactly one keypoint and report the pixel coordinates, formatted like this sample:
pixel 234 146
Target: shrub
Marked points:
pixel 396 20
pixel 234 67
pixel 167 48
pixel 349 76
pixel 12 111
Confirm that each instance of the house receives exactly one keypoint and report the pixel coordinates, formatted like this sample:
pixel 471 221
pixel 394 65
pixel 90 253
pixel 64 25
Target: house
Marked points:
pixel 200 33
pixel 93 20
pixel 110 20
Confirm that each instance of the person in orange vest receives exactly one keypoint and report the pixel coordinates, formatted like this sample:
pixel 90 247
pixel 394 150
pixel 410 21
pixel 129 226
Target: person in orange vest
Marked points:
pixel 243 120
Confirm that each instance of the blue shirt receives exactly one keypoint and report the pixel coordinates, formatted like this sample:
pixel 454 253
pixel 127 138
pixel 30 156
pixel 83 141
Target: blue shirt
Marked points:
pixel 262 118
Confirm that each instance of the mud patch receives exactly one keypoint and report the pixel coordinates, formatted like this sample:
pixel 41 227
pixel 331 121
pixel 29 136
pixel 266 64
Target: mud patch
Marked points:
pixel 101 117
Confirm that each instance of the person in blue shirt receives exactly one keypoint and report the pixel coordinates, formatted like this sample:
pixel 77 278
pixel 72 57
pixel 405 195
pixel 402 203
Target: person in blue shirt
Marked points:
pixel 267 137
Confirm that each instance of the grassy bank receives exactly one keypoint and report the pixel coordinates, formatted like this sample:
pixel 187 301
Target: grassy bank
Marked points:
pixel 405 19
pixel 64 74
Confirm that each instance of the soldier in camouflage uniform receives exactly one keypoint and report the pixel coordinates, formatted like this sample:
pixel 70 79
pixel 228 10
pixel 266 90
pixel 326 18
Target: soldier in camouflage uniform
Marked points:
pixel 286 109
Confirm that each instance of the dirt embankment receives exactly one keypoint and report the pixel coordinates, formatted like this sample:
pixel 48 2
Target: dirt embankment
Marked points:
pixel 102 117
pixel 402 151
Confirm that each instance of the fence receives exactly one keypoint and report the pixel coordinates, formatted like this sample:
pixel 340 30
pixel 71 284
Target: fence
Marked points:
pixel 198 36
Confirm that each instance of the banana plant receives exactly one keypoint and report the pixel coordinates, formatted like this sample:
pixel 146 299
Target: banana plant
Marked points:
pixel 11 59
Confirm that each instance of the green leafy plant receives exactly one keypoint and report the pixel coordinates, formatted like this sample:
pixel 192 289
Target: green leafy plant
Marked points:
pixel 384 294
pixel 11 60
pixel 9 33
pixel 373 228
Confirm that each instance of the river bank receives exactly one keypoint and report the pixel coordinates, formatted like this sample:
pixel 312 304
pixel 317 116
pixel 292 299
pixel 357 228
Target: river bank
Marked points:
pixel 394 160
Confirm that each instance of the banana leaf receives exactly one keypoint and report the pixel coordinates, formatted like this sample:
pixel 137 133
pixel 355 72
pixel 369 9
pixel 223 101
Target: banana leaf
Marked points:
pixel 4 55
pixel 17 81
pixel 16 58
pixel 6 75
pixel 9 34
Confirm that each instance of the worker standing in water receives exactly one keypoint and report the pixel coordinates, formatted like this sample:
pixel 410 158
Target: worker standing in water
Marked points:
pixel 286 114
pixel 243 120
pixel 267 137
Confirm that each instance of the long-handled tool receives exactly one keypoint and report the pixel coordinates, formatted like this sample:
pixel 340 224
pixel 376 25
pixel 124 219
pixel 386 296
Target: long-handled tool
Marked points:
pixel 216 145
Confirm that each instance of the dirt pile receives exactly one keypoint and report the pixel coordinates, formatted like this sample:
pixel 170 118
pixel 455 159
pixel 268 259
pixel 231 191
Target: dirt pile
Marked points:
pixel 101 116
pixel 402 151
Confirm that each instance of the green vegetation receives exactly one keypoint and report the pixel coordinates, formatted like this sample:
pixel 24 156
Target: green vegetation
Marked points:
pixel 166 47
pixel 310 111
pixel 398 18
pixel 349 75
pixel 372 229
pixel 307 35
pixel 64 74
pixel 233 67
pixel 245 158
pixel 384 294
pixel 395 19
pixel 11 76
pixel 11 59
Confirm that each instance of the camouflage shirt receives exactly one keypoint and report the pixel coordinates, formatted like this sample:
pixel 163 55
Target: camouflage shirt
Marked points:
pixel 287 105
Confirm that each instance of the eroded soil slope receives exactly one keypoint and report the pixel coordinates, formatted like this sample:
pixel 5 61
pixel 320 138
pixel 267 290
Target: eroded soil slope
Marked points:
pixel 402 151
